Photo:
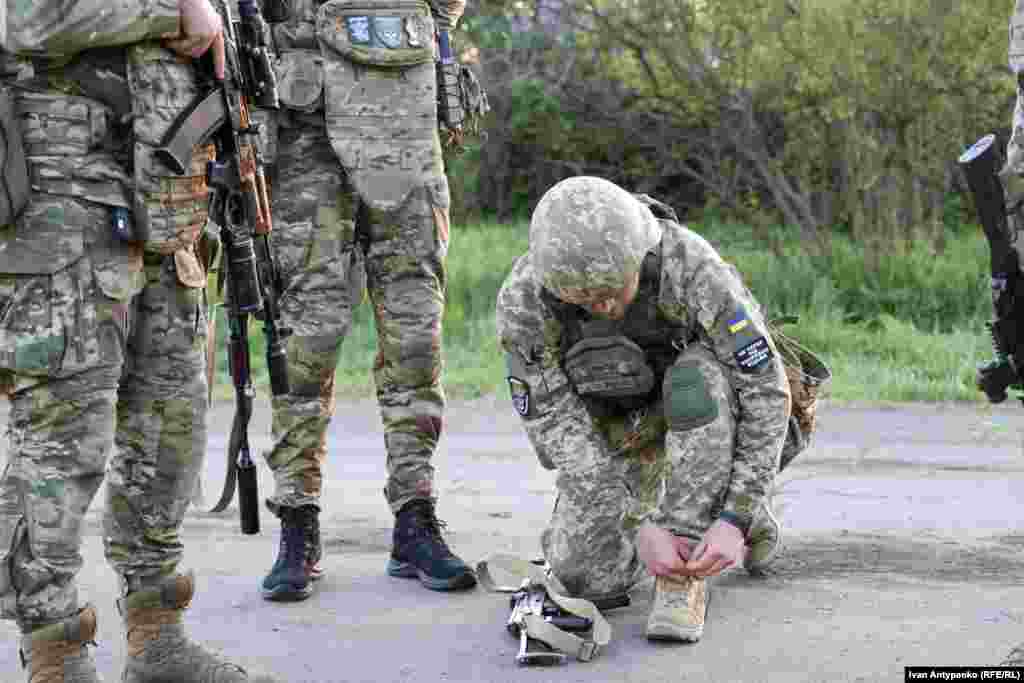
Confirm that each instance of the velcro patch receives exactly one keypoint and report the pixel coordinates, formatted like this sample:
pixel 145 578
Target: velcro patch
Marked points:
pixel 520 392
pixel 754 355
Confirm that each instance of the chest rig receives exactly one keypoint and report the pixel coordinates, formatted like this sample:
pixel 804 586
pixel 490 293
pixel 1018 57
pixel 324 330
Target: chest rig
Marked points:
pixel 617 366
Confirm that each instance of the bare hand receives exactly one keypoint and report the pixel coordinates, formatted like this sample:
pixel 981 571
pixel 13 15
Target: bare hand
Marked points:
pixel 201 29
pixel 722 547
pixel 661 551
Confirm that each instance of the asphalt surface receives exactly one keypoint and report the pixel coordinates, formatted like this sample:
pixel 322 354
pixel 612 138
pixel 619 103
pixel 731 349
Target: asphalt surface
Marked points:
pixel 904 546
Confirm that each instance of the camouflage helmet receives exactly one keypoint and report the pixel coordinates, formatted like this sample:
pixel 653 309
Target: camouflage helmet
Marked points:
pixel 588 234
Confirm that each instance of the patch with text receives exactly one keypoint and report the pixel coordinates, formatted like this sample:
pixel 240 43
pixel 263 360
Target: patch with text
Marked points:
pixel 754 355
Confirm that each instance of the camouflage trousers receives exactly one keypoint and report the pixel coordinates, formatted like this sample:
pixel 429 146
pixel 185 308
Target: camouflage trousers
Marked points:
pixel 675 479
pixel 331 245
pixel 126 370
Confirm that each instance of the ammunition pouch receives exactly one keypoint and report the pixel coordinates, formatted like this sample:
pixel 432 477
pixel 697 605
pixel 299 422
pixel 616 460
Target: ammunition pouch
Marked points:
pixel 14 187
pixel 807 374
pixel 608 367
pixel 300 80
pixel 169 210
pixel 461 104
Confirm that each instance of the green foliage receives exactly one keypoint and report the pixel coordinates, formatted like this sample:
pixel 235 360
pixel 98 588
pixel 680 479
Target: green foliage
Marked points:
pixel 908 281
pixel 915 332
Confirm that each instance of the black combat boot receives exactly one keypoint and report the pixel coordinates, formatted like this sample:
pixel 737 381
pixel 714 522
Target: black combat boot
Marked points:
pixel 290 578
pixel 419 551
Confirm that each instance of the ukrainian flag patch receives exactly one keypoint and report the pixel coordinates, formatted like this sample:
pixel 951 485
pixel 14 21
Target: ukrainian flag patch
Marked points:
pixel 738 323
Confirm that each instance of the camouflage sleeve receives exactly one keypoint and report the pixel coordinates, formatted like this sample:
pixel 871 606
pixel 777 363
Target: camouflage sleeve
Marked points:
pixel 447 13
pixel 732 320
pixel 60 28
pixel 1015 54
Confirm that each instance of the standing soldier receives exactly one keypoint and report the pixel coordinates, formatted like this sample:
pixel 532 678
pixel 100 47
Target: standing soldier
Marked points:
pixel 644 373
pixel 361 201
pixel 102 299
pixel 1014 172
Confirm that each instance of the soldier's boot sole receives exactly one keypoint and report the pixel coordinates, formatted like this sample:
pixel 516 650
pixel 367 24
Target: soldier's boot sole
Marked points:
pixel 407 570
pixel 287 592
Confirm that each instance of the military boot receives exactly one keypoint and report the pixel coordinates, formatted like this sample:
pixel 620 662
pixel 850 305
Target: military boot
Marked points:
pixel 679 607
pixel 313 549
pixel 419 551
pixel 159 651
pixel 298 556
pixel 58 654
pixel 1015 658
pixel 764 540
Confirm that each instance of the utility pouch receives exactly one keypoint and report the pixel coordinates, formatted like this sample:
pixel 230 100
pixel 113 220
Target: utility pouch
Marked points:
pixel 169 210
pixel 688 402
pixel 380 102
pixel 608 367
pixel 14 186
pixel 807 374
pixel 300 79
pixel 473 99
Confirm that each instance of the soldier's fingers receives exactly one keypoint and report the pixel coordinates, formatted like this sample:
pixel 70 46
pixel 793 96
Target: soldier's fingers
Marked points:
pixel 218 56
pixel 183 46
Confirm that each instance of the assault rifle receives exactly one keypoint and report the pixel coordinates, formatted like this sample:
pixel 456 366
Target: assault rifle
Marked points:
pixel 240 205
pixel 979 164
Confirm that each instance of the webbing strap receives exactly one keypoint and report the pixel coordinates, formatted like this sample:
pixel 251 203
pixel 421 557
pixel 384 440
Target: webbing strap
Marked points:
pixel 528 573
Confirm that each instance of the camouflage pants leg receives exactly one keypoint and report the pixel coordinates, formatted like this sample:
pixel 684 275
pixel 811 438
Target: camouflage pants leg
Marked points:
pixel 61 425
pixel 322 271
pixel 405 266
pixel 677 482
pixel 161 426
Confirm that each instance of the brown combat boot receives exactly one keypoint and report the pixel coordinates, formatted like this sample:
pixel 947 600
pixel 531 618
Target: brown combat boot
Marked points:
pixel 158 649
pixel 680 605
pixel 58 654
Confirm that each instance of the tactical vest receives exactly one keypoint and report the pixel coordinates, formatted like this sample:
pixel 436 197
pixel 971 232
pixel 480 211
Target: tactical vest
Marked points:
pixel 659 339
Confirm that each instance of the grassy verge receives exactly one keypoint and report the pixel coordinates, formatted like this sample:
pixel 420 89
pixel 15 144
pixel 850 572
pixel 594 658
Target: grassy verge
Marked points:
pixel 907 326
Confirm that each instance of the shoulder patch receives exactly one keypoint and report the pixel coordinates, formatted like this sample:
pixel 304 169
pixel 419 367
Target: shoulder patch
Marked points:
pixel 754 355
pixel 520 392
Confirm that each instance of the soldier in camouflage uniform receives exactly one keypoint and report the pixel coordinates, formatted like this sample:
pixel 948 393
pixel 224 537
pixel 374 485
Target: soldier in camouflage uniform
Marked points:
pixel 644 373
pixel 102 333
pixel 1013 176
pixel 360 202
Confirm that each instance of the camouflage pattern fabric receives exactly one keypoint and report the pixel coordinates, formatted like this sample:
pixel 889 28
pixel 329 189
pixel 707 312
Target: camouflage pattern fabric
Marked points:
pixel 66 293
pixel 161 423
pixel 399 255
pixel 677 482
pixel 722 468
pixel 360 202
pixel 1015 148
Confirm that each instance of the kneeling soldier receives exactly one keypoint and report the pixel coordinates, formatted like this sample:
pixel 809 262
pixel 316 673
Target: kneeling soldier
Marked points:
pixel 644 373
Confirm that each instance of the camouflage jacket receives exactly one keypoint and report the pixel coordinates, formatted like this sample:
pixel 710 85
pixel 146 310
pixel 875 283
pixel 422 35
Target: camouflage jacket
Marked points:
pixel 700 294
pixel 62 28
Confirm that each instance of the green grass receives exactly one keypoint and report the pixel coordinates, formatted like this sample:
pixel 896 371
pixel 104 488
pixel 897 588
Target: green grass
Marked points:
pixel 906 326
